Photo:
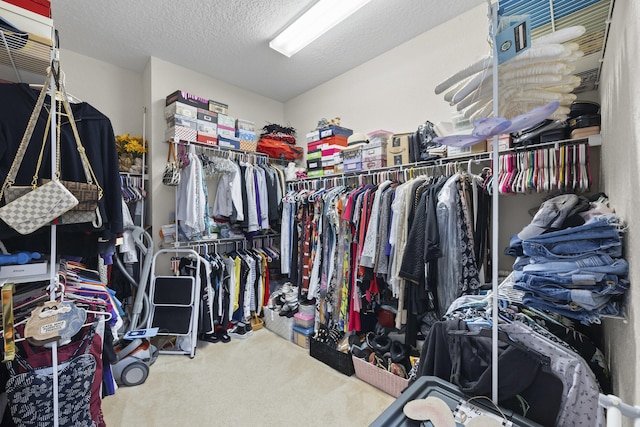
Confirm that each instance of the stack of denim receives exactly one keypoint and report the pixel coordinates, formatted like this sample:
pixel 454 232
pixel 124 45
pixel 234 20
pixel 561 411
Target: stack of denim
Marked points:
pixel 577 272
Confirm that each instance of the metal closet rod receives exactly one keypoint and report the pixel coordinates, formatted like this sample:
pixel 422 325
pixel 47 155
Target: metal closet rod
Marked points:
pixel 230 152
pixel 479 157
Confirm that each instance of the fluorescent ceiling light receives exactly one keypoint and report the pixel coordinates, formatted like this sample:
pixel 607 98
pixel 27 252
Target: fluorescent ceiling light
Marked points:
pixel 316 21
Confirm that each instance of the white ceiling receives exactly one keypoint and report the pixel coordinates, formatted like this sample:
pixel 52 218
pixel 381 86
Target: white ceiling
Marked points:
pixel 228 39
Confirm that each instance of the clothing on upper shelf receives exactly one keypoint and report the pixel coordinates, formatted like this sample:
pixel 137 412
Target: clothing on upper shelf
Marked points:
pixel 96 134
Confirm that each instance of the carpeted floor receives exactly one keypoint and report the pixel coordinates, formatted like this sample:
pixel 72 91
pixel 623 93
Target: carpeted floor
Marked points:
pixel 263 380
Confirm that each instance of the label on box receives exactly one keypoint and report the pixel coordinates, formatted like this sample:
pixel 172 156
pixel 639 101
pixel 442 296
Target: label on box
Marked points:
pixel 315 173
pixel 180 109
pixel 329 170
pixel 398 159
pixel 374 164
pixel 317 145
pixel 218 107
pixel 187 98
pixel 207 116
pixel 313 164
pixel 206 139
pixel 328 161
pixel 338 168
pixel 380 150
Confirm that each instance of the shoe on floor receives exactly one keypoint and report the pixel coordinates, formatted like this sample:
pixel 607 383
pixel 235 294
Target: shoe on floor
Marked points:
pixel 241 331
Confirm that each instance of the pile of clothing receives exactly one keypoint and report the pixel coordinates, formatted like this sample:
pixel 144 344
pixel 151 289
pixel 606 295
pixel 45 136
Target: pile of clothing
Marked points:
pixel 569 259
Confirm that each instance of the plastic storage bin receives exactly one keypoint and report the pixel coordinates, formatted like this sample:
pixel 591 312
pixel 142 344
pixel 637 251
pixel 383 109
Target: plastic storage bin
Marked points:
pixel 379 378
pixel 338 360
pixel 436 387
pixel 280 325
pixel 301 336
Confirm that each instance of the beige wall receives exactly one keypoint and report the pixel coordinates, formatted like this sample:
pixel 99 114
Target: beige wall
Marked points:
pixel 620 91
pixel 114 91
pixel 162 78
pixel 395 90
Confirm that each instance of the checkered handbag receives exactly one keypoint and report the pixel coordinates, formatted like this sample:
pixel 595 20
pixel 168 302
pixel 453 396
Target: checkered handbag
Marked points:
pixel 39 207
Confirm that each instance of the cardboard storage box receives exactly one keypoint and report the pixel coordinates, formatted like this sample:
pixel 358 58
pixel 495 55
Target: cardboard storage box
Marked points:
pixel 207 127
pixel 338 168
pixel 374 164
pixel 377 158
pixel 207 116
pixel 314 164
pixel 180 133
pixel 317 173
pixel 331 150
pixel 352 165
pixel 504 143
pixel 28 20
pixel 480 147
pixel 207 139
pixel 187 98
pixel 231 142
pixel 227 121
pixel 41 7
pixel 379 378
pixel 328 170
pixel 180 109
pixel 374 149
pixel 280 325
pixel 246 135
pixel 217 107
pixel 335 130
pixel 398 149
pixel 183 121
pixel 321 144
pixel 313 136
pixel 226 132
pixel 301 336
pixel 313 155
pixel 246 125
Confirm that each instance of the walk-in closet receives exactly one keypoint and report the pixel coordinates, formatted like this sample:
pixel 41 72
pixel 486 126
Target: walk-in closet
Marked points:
pixel 421 213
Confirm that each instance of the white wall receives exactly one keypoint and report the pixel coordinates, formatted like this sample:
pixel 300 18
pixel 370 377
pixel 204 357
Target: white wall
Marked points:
pixel 162 78
pixel 395 91
pixel 620 91
pixel 115 91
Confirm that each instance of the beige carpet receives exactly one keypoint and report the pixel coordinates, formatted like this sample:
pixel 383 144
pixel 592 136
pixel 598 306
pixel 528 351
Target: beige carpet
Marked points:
pixel 263 380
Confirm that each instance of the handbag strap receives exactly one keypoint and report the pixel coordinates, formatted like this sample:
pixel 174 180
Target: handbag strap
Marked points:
pixel 86 165
pixel 171 151
pixel 26 137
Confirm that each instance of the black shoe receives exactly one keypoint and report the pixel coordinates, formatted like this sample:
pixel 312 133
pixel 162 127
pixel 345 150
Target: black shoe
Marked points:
pixel 210 337
pixel 222 335
pixel 380 344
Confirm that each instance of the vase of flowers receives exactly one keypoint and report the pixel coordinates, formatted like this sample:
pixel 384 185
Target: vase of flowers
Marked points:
pixel 129 149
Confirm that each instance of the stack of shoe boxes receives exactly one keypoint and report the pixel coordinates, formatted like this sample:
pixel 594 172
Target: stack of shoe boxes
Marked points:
pixel 246 132
pixel 227 132
pixel 323 150
pixel 207 127
pixel 181 114
pixel 374 154
pixel 190 118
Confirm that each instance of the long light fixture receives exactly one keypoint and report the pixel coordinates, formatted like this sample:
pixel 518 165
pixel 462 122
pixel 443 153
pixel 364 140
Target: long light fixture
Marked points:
pixel 316 21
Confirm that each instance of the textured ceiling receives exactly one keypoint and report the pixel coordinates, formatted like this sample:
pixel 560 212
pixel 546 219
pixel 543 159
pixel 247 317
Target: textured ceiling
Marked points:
pixel 228 39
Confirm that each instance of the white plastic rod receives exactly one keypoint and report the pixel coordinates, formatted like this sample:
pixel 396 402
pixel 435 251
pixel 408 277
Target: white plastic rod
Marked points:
pixel 494 216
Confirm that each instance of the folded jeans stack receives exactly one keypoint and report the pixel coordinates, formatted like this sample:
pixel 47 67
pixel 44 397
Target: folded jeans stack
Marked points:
pixel 577 272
